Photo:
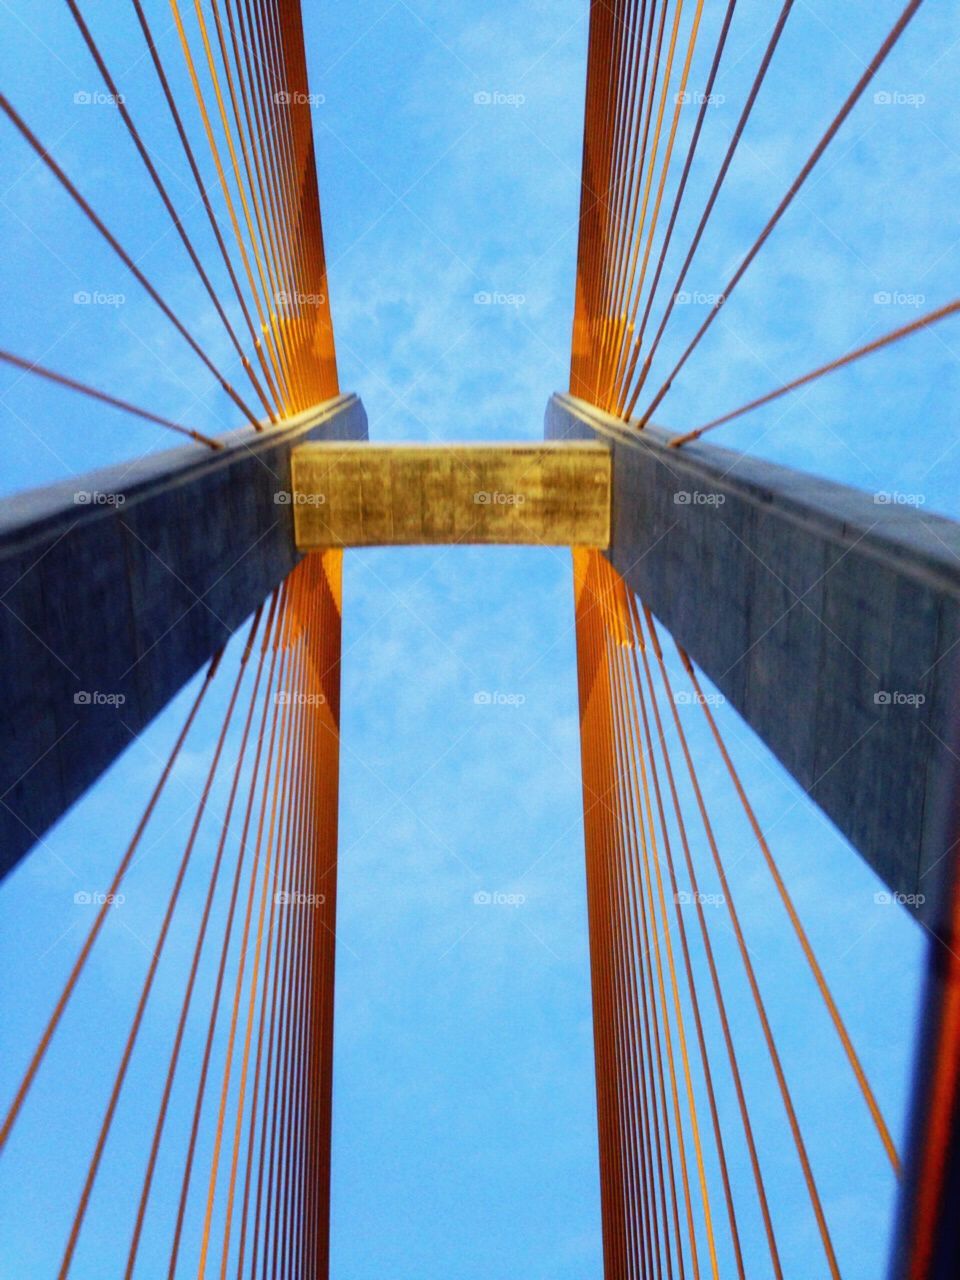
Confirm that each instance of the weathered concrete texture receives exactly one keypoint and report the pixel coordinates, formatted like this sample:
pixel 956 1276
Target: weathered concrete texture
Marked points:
pixel 118 586
pixel 555 494
pixel 829 617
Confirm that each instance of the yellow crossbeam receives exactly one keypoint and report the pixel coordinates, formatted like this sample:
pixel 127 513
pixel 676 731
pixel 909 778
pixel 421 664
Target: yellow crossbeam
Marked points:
pixel 361 495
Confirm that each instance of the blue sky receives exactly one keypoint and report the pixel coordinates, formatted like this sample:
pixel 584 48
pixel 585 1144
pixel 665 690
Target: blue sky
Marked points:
pixel 463 1129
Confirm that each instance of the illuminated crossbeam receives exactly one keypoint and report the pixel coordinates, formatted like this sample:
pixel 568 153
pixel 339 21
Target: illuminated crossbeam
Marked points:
pixel 362 495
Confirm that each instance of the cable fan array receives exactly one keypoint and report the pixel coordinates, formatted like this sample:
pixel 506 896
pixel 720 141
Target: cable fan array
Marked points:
pixel 247 67
pixel 250 1146
pixel 668 1205
pixel 638 85
pixel 674 1199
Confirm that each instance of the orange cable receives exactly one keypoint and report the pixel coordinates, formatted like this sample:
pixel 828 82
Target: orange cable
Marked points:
pixel 120 103
pixel 832 129
pixel 707 945
pixel 208 207
pixel 201 1086
pixel 31 366
pixel 801 933
pixel 201 935
pixel 903 331
pixel 752 980
pixel 62 1001
pixel 147 987
pixel 27 134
